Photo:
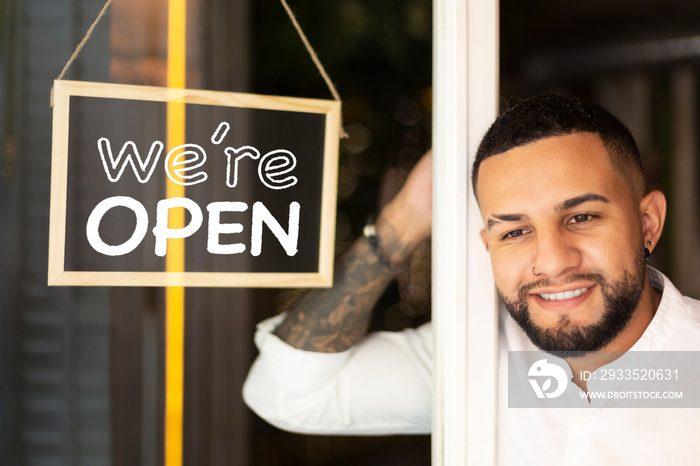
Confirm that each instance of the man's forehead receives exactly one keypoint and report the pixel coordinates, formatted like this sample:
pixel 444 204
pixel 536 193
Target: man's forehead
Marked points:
pixel 560 166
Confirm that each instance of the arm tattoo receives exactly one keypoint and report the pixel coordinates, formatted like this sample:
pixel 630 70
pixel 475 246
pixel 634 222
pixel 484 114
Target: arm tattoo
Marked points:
pixel 335 319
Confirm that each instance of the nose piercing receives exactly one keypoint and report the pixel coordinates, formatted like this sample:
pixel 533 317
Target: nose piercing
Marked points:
pixel 535 273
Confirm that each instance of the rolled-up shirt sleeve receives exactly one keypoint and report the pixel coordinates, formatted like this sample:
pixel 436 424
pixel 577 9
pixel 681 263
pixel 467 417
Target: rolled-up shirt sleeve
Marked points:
pixel 381 386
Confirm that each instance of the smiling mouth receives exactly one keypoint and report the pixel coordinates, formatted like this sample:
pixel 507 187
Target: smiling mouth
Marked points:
pixel 562 296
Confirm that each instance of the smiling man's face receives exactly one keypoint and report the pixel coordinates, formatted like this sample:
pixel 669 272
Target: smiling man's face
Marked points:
pixel 566 238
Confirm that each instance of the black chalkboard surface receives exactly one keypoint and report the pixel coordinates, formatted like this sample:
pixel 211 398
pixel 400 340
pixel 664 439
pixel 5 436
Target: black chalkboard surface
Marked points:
pixel 255 177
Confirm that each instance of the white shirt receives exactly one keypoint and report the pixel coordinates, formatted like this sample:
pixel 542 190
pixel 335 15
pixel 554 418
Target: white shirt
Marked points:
pixel 383 386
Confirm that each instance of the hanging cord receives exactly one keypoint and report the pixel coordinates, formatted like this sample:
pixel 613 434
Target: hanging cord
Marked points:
pixel 81 44
pixel 293 18
pixel 316 61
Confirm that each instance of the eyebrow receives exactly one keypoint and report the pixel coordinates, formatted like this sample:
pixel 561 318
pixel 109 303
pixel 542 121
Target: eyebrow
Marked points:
pixel 566 205
pixel 578 200
pixel 498 218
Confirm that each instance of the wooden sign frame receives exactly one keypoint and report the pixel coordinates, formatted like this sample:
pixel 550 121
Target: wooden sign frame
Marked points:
pixel 64 91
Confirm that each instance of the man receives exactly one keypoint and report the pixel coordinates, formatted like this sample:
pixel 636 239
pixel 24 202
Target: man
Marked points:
pixel 568 226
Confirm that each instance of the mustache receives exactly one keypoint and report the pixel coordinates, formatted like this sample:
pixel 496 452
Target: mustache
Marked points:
pixel 525 290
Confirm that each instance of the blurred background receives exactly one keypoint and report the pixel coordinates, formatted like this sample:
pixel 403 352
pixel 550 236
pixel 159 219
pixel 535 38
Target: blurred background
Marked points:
pixel 81 369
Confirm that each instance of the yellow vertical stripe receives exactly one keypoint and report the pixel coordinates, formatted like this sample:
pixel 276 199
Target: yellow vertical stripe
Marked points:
pixel 175 258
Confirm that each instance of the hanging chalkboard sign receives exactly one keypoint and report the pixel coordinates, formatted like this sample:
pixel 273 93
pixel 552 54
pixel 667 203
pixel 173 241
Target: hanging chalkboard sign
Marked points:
pixel 257 178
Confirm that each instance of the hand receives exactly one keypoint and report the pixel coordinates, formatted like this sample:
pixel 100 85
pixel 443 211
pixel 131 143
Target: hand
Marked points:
pixel 410 212
pixel 335 319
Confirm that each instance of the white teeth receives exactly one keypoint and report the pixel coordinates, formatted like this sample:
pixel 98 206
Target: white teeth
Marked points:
pixel 564 295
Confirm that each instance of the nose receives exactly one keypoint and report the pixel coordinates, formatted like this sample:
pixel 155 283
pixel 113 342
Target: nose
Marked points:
pixel 555 253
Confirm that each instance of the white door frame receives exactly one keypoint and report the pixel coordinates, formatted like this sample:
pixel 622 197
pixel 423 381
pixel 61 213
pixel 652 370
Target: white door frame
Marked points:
pixel 465 317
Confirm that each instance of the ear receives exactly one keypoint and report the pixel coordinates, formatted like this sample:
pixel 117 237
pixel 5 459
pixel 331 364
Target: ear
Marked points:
pixel 652 212
pixel 482 233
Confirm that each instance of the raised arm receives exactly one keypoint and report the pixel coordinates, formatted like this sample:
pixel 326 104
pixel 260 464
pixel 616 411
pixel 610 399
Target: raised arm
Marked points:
pixel 304 381
pixel 335 319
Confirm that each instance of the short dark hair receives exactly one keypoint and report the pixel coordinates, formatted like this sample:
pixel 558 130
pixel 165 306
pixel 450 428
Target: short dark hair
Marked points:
pixel 548 115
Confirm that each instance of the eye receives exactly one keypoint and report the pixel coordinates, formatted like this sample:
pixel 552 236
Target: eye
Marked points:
pixel 581 218
pixel 515 233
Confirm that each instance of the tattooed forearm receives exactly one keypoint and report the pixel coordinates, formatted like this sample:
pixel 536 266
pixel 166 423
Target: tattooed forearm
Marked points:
pixel 335 319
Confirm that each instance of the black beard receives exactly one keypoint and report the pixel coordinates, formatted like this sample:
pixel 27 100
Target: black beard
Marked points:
pixel 566 340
